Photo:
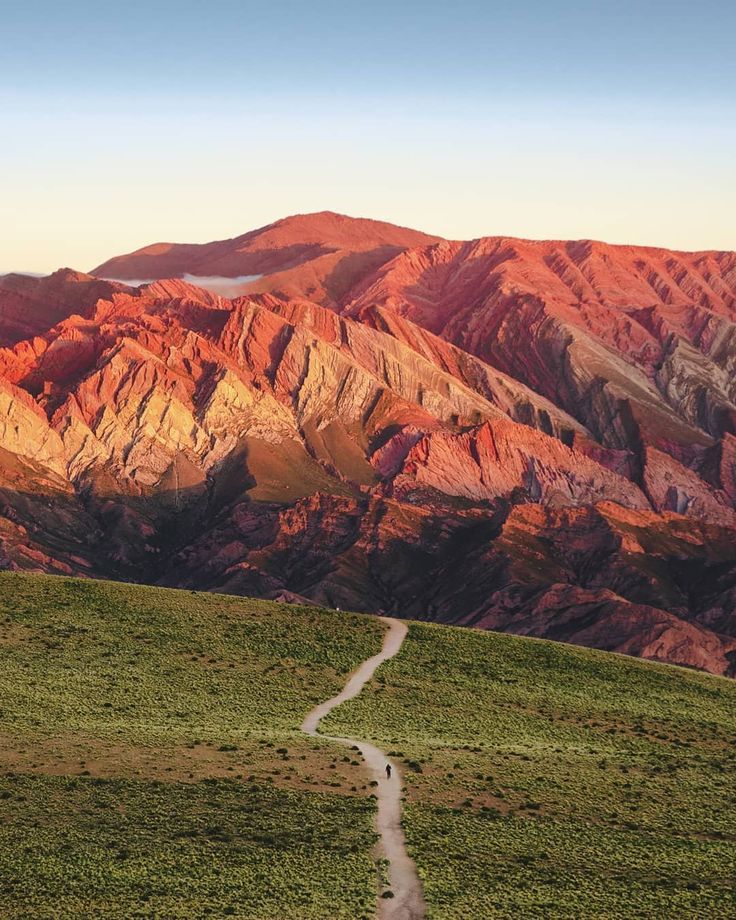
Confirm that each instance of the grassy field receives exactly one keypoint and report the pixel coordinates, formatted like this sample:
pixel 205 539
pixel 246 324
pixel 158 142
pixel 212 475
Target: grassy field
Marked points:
pixel 151 766
pixel 549 781
pixel 89 847
pixel 151 763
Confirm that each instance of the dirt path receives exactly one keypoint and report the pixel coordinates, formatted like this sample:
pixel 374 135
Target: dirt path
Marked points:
pixel 408 900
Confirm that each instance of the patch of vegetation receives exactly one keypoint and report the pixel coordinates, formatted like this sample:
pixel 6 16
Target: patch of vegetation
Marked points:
pixel 556 781
pixel 151 762
pixel 73 848
pixel 508 867
pixel 155 665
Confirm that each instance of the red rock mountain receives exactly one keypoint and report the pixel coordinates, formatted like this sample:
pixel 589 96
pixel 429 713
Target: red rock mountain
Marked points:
pixel 524 436
pixel 319 256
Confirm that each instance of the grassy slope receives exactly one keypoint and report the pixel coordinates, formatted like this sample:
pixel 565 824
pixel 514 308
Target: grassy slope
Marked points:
pixel 150 759
pixel 549 781
pixel 150 765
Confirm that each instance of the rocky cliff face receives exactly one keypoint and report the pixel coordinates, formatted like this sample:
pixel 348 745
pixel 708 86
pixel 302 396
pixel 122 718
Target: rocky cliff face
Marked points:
pixel 534 437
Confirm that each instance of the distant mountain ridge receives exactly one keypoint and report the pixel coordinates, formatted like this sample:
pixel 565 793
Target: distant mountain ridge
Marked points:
pixel 529 436
pixel 317 255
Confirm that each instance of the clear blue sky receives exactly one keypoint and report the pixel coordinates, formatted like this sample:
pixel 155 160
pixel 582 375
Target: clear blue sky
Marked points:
pixel 126 124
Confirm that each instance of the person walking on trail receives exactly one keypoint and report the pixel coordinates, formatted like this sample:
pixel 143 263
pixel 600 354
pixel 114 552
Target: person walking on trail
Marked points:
pixel 388 771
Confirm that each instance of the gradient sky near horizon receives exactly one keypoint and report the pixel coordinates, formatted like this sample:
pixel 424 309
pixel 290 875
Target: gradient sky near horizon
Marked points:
pixel 128 123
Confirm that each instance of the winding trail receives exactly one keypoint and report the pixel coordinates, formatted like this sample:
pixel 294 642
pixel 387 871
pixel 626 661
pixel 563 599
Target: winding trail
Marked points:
pixel 408 901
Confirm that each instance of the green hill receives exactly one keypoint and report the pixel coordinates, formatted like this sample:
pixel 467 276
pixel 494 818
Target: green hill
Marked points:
pixel 546 780
pixel 151 765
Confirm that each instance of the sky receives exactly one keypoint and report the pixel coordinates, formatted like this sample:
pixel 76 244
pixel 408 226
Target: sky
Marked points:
pixel 128 123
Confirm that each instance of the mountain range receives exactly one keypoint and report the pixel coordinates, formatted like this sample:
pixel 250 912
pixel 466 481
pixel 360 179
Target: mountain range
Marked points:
pixel 528 436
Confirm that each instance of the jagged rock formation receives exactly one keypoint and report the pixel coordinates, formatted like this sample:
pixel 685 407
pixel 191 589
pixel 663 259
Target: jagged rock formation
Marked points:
pixel 30 305
pixel 535 437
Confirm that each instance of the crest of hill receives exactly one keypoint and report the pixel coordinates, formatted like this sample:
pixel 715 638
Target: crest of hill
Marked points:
pixel 319 255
